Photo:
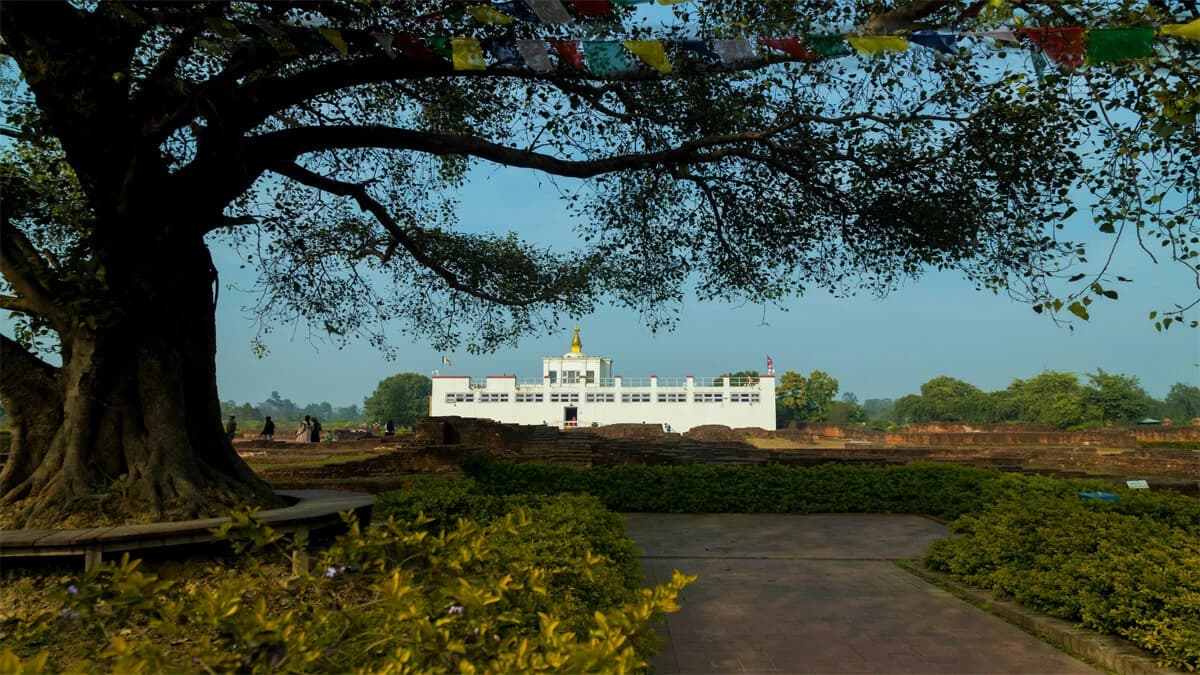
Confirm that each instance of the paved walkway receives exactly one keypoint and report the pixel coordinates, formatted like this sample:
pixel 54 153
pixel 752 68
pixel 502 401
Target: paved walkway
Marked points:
pixel 819 594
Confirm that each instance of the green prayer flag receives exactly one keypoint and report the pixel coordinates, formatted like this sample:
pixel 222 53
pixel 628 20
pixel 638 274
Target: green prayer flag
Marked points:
pixel 1119 44
pixel 441 47
pixel 606 58
pixel 828 45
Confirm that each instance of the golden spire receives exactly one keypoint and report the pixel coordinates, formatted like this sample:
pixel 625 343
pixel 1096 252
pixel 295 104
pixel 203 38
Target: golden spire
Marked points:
pixel 576 345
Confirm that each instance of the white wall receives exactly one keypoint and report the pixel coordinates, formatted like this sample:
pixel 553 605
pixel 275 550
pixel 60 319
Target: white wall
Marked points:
pixel 691 412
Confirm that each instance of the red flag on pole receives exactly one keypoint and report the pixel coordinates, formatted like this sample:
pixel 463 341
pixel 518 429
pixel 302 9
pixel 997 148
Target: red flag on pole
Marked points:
pixel 770 365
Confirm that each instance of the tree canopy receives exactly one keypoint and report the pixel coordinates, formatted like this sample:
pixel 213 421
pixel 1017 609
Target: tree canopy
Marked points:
pixel 144 132
pixel 401 399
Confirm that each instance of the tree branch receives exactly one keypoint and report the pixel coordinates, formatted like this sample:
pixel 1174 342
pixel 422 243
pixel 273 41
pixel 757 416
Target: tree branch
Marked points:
pixel 401 236
pixel 26 271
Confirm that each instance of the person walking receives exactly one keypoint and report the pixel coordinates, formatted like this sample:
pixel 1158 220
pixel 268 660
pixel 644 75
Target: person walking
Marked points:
pixel 231 427
pixel 268 432
pixel 314 430
pixel 390 429
pixel 302 434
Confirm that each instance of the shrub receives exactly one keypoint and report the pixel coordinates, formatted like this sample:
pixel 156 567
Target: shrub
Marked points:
pixel 562 527
pixel 394 598
pixel 1115 568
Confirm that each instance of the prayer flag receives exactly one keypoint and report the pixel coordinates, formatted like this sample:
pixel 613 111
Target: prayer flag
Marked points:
pixel 412 47
pixel 770 365
pixel 789 45
pixel 872 45
pixel 592 7
pixel 467 54
pixel 441 47
pixel 519 10
pixel 735 51
pixel 652 52
pixel 385 41
pixel 550 11
pixel 1063 46
pixel 1003 35
pixel 828 45
pixel 570 52
pixel 606 58
pixel 504 52
pixel 1190 31
pixel 946 43
pixel 536 56
pixel 1117 44
pixel 334 37
pixel 445 361
pixel 485 14
pixel 700 47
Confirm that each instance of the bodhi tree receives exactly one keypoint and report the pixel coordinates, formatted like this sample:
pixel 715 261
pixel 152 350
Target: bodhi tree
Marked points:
pixel 326 142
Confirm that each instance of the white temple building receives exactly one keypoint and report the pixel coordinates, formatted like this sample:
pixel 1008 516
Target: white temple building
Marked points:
pixel 578 390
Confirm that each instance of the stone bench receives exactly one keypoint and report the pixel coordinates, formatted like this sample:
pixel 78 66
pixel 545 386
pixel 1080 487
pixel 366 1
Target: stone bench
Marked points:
pixel 314 511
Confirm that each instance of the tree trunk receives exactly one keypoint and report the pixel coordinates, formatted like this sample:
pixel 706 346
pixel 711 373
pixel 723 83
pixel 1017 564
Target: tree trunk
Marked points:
pixel 128 429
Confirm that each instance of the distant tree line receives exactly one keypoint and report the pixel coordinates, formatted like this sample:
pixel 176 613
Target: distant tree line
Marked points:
pixel 401 399
pixel 1052 397
pixel 284 411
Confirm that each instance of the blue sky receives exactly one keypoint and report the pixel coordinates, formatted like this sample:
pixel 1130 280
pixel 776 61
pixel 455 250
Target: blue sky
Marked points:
pixel 938 325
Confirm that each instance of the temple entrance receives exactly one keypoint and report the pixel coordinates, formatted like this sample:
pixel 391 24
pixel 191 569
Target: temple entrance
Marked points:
pixel 570 417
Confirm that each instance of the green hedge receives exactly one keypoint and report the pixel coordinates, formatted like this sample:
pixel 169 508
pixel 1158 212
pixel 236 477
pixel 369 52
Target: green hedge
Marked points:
pixel 562 527
pixel 1131 568
pixel 1174 445
pixel 942 490
pixel 394 598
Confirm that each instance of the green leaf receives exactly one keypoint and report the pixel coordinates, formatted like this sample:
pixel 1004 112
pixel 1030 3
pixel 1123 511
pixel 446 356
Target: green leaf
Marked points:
pixel 1107 228
pixel 1153 314
pixel 1112 295
pixel 1078 310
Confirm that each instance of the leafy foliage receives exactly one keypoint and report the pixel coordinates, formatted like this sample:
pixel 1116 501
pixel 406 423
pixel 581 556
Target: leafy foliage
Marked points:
pixel 400 398
pixel 394 598
pixel 808 398
pixel 1127 569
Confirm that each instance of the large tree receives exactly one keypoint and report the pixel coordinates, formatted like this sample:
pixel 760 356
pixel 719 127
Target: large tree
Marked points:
pixel 326 143
pixel 401 399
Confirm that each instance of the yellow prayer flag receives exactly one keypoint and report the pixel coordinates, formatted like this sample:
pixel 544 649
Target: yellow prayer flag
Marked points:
pixel 1183 30
pixel 466 54
pixel 652 52
pixel 877 44
pixel 335 38
pixel 485 14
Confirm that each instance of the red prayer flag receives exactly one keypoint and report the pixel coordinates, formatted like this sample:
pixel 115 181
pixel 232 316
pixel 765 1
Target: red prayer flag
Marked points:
pixel 1063 46
pixel 570 52
pixel 592 7
pixel 411 46
pixel 790 46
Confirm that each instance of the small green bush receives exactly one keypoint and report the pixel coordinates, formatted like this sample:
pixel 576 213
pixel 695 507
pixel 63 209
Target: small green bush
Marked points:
pixel 391 599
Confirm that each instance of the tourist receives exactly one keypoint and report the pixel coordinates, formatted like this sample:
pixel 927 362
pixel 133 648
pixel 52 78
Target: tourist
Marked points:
pixel 231 427
pixel 268 432
pixel 303 433
pixel 315 430
pixel 389 429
